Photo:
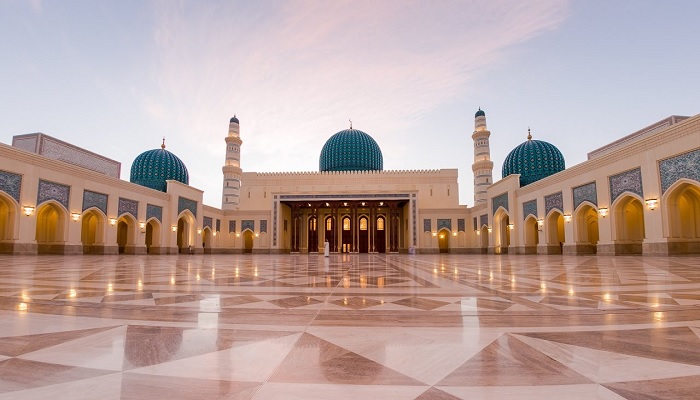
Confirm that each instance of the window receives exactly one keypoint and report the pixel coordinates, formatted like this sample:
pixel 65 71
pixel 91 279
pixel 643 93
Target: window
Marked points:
pixel 329 224
pixel 346 224
pixel 363 224
pixel 380 224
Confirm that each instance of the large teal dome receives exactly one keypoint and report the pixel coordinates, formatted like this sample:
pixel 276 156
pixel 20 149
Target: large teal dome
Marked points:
pixel 533 160
pixel 351 150
pixel 153 168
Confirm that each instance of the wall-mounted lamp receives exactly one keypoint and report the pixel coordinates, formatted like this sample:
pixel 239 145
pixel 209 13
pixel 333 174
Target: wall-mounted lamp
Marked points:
pixel 603 212
pixel 511 226
pixel 214 233
pixel 142 225
pixel 434 233
pixel 28 210
pixel 381 203
pixel 112 221
pixel 257 234
pixel 442 236
pixel 454 233
pixel 199 231
pixel 489 229
pixel 174 228
pixel 238 235
pixel 75 216
pixel 540 222
pixel 651 203
pixel 478 232
pixel 567 218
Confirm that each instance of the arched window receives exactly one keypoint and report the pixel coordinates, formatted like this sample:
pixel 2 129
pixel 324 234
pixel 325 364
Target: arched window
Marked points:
pixel 329 224
pixel 346 224
pixel 363 224
pixel 380 224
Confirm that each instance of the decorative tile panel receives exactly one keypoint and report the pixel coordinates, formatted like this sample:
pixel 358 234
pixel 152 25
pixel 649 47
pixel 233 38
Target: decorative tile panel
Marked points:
pixel 154 212
pixel 554 201
pixel 483 220
pixel 499 201
pixel 530 207
pixel 248 224
pixel 274 223
pixel 206 222
pixel 427 225
pixel 263 226
pixel 461 225
pixel 683 166
pixel 444 224
pixel 587 192
pixel 186 204
pixel 53 191
pixel 128 206
pixel 231 226
pixel 628 181
pixel 415 228
pixel 94 199
pixel 11 184
pixel 218 225
pixel 476 223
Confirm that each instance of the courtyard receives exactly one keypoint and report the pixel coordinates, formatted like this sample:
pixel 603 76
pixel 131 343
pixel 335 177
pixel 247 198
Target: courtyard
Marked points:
pixel 349 326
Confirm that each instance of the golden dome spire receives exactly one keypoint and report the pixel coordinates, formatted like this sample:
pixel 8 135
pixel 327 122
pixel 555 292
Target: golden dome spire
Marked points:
pixel 529 136
pixel 162 146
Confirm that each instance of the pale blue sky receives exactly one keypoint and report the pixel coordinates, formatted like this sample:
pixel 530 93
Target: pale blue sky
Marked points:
pixel 115 77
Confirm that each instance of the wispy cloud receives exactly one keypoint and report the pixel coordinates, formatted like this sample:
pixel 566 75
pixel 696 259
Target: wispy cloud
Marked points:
pixel 294 72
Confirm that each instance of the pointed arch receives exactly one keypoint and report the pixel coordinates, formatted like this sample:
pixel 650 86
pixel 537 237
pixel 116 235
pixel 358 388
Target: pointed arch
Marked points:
pixel 312 234
pixel 555 233
pixel 207 238
pixel 531 234
pixel 444 240
pixel 186 223
pixel 93 228
pixel 153 235
pixel 586 228
pixel 9 213
pixel 126 232
pixel 627 218
pixel 680 206
pixel 501 220
pixel 51 226
pixel 248 240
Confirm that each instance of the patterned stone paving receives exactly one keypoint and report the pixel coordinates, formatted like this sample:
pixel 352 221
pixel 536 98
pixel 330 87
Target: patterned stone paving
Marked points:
pixel 349 326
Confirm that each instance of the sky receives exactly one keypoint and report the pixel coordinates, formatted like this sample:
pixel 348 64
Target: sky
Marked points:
pixel 115 77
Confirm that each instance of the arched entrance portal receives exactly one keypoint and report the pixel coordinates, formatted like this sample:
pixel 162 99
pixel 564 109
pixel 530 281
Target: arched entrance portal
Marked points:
pixel 126 234
pixel 555 232
pixel 346 238
pixel 330 233
pixel 683 215
pixel 92 231
pixel 153 236
pixel 206 240
pixel 185 232
pixel 444 241
pixel 586 234
pixel 247 241
pixel 313 235
pixel 484 233
pixel 51 219
pixel 628 219
pixel 501 231
pixel 363 235
pixel 8 218
pixel 380 235
pixel 532 235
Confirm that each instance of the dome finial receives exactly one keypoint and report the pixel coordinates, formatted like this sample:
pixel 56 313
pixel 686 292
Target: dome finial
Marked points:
pixel 162 146
pixel 529 136
pixel 350 123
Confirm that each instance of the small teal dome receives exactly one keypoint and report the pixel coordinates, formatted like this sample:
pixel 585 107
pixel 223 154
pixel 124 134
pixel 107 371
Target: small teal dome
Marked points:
pixel 480 113
pixel 153 168
pixel 234 120
pixel 351 150
pixel 533 160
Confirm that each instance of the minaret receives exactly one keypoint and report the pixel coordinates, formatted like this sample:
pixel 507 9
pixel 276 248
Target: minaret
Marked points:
pixel 483 166
pixel 232 169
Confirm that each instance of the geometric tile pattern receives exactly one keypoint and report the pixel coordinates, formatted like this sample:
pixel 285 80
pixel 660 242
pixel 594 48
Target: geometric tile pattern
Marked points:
pixel 530 208
pixel 128 206
pixel 444 224
pixel 218 225
pixel 248 224
pixel 206 223
pixel 585 192
pixel 499 201
pixel 554 201
pixel 427 225
pixel 461 225
pixel 231 226
pixel 628 181
pixel 350 326
pixel 94 199
pixel 53 191
pixel 413 218
pixel 153 211
pixel 274 224
pixel 683 166
pixel 263 226
pixel 483 220
pixel 186 204
pixel 11 184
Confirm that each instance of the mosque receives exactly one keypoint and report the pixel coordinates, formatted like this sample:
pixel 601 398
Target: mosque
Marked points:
pixel 637 195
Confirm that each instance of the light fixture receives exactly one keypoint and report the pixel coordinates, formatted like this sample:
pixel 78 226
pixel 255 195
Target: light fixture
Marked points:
pixel 326 204
pixel 651 203
pixel 540 222
pixel 489 229
pixel 142 225
pixel 214 233
pixel 28 210
pixel 75 216
pixel 603 212
pixel 434 233
pixel 238 235
pixel 112 221
pixel 345 204
pixel 478 233
pixel 363 204
pixel 511 226
pixel 199 231
pixel 257 234
pixel 381 203
pixel 454 233
pixel 567 218
pixel 174 228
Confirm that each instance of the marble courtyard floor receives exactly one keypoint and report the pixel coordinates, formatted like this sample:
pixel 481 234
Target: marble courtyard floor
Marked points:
pixel 349 326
